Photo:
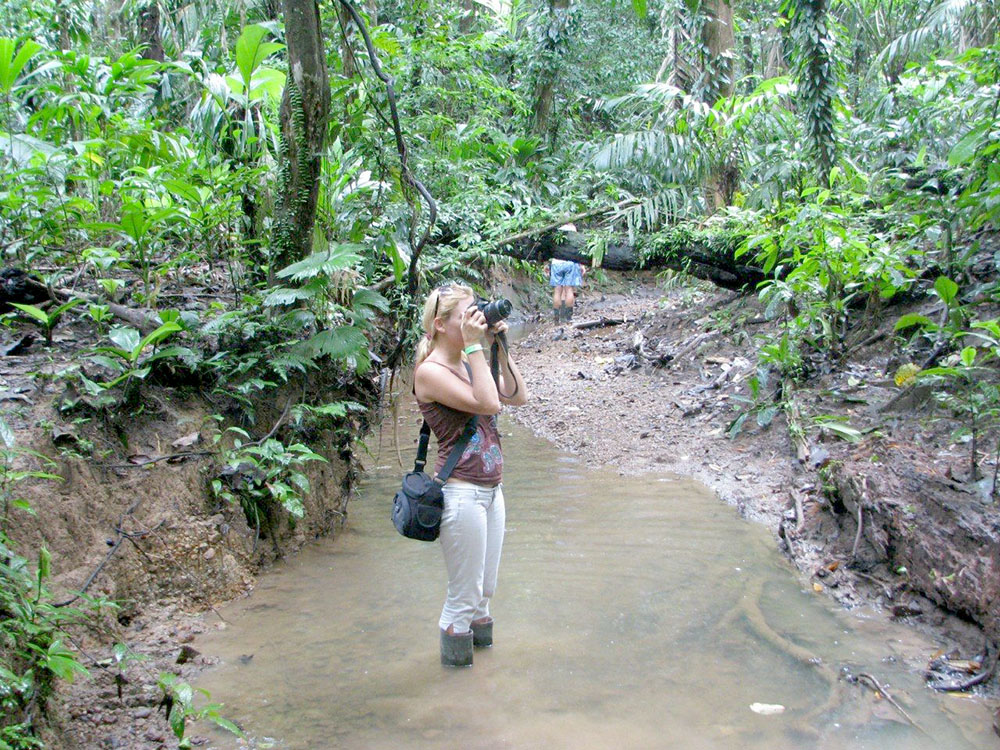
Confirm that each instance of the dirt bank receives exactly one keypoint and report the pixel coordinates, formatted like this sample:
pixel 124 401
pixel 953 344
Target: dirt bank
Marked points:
pixel 651 378
pixel 130 517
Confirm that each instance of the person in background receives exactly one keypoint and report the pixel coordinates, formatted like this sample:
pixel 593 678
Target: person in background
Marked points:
pixel 564 277
pixel 452 381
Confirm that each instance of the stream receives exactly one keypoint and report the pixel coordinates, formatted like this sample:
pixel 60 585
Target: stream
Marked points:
pixel 632 612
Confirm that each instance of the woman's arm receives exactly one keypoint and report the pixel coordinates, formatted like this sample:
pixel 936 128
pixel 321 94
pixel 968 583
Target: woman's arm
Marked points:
pixel 436 382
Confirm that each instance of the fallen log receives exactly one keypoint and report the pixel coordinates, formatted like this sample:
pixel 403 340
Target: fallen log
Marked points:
pixel 602 323
pixel 718 267
pixel 547 241
pixel 21 287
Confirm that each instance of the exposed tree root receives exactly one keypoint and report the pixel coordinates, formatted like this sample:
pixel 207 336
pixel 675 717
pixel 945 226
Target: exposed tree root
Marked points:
pixel 749 610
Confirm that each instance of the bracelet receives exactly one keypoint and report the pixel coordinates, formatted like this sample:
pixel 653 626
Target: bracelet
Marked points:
pixel 473 348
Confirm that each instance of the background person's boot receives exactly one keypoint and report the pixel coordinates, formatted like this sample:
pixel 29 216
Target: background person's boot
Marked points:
pixel 568 313
pixel 556 315
pixel 456 650
pixel 482 634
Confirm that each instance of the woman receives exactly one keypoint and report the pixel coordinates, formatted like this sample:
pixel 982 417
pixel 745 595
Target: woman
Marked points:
pixel 452 382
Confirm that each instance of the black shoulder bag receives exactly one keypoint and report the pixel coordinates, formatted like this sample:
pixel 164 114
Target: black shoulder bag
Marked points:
pixel 417 507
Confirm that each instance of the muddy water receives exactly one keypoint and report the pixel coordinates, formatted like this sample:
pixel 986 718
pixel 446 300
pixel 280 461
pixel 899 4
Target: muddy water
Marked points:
pixel 631 613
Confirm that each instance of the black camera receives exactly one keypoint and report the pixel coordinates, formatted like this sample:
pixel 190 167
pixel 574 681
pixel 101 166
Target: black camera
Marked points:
pixel 495 310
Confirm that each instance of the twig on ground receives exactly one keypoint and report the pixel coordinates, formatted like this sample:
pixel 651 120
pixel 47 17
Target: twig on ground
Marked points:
pixel 885 694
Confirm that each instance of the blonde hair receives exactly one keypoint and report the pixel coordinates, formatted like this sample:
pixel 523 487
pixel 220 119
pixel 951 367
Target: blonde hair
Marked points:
pixel 439 304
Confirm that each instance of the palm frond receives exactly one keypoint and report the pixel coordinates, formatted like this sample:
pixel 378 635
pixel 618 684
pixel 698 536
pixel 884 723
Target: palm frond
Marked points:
pixel 942 19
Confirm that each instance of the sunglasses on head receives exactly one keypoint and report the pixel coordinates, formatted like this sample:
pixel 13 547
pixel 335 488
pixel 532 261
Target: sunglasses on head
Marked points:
pixel 437 298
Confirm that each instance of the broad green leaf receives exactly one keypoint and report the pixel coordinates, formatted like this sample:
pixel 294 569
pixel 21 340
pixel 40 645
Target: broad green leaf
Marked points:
pixel 164 331
pixel 965 149
pixel 176 720
pixel 946 289
pixel 135 221
pixel 227 725
pixel 267 82
pixel 913 319
pixel 64 307
pixel 34 312
pixel 184 190
pixel 62 662
pixel 251 50
pixel 639 6
pixel 124 338
pixel 11 63
pixel 968 356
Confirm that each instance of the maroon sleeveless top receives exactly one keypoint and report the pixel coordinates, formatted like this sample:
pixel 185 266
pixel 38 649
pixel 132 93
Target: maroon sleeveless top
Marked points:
pixel 482 461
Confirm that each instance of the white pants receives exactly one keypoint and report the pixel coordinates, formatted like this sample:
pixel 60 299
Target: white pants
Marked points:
pixel 471 538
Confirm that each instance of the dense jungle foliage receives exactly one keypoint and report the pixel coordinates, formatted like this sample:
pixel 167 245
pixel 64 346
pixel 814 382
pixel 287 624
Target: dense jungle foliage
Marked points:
pixel 846 149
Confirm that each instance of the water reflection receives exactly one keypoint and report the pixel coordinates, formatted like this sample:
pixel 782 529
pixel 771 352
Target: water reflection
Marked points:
pixel 631 612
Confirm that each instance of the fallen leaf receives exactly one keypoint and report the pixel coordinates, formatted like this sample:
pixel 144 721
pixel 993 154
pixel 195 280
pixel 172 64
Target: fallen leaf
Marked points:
pixel 187 441
pixel 817 587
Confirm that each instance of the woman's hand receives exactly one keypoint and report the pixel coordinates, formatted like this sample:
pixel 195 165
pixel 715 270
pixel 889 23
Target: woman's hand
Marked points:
pixel 473 326
pixel 498 327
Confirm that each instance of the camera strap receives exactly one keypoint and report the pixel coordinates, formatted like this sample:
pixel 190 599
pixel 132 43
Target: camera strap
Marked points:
pixel 456 452
pixel 500 340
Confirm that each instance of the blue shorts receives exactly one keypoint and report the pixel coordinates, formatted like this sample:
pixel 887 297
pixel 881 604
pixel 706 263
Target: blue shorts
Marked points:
pixel 564 273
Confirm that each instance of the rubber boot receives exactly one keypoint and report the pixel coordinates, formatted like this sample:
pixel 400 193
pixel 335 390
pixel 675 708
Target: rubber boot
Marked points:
pixel 563 314
pixel 556 315
pixel 568 313
pixel 456 650
pixel 482 634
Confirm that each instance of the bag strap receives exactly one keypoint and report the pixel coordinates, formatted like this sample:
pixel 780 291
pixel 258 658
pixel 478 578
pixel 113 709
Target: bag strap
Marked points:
pixel 456 452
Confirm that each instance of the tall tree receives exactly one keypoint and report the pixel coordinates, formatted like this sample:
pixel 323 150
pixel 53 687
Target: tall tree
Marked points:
pixel 817 79
pixel 149 32
pixel 551 46
pixel 719 40
pixel 305 108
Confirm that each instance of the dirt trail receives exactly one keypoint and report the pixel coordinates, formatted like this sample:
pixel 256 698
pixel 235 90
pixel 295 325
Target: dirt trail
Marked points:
pixel 647 378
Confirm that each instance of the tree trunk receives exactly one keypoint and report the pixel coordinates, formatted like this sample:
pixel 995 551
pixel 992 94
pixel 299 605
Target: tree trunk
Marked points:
pixel 348 64
pixel 305 108
pixel 774 52
pixel 149 33
pixel 468 20
pixel 719 41
pixel 549 75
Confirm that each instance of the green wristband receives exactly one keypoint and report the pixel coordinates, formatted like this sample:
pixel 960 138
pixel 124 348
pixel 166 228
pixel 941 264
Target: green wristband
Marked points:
pixel 472 348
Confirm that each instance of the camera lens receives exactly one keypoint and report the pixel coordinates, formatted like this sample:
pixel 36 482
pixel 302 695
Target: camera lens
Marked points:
pixel 496 310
